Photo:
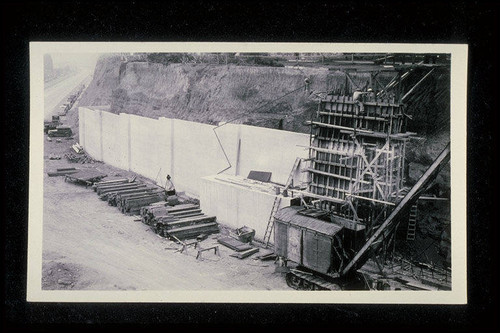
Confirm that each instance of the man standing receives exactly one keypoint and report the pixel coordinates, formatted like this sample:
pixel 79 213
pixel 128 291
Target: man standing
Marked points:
pixel 169 186
pixel 370 95
pixel 357 96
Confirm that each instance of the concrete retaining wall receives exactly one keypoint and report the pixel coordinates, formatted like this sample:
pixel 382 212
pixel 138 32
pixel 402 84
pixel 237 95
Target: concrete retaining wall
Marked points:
pixel 187 150
pixel 237 206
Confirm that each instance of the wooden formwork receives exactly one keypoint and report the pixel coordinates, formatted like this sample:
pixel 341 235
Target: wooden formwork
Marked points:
pixel 357 156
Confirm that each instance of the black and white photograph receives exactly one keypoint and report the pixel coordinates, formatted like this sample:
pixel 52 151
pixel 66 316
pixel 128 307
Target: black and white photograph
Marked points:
pixel 247 172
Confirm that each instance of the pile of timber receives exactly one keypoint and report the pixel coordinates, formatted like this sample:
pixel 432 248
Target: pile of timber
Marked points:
pixel 178 222
pixel 129 196
pixel 80 158
pixel 242 250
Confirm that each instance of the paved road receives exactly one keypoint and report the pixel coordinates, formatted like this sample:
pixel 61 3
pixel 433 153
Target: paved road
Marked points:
pixel 56 94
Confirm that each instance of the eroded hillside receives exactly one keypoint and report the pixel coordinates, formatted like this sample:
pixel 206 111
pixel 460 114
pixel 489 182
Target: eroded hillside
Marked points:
pixel 264 96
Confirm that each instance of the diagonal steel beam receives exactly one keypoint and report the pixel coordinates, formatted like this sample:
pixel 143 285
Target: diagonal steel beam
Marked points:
pixel 427 177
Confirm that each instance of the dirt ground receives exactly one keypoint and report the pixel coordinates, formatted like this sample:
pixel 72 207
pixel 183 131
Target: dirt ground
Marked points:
pixel 88 245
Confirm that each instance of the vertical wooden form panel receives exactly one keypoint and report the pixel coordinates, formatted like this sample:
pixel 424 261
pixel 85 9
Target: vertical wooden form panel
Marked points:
pixel 339 171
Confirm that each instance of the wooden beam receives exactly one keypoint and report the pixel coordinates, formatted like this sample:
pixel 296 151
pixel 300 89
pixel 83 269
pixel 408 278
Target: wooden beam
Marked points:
pixel 333 175
pixel 416 85
pixel 370 199
pixel 338 127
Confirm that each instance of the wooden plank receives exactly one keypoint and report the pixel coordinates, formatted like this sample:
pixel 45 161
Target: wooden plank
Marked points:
pixel 374 200
pixel 138 194
pixel 185 212
pixel 105 186
pixel 182 207
pixel 194 214
pixel 124 187
pixel 334 175
pixel 234 244
pixel 192 229
pixel 358 130
pixel 191 220
pixel 246 253
pixel 130 193
pixel 353 116
pixel 61 173
pixel 321 197
pixel 143 199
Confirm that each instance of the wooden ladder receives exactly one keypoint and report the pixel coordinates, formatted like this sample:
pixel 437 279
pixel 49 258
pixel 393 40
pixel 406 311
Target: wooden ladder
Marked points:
pixel 270 223
pixel 276 204
pixel 412 222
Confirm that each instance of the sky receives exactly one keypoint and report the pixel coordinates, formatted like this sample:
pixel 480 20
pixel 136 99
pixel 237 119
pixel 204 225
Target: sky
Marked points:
pixel 80 60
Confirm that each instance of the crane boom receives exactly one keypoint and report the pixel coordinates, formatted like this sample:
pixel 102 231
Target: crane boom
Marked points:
pixel 426 178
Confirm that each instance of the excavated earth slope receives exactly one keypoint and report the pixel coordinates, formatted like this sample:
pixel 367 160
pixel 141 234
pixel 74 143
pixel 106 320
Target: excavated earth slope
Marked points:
pixel 211 93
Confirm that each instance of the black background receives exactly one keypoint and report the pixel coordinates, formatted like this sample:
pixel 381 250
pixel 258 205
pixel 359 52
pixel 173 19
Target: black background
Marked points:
pixel 472 22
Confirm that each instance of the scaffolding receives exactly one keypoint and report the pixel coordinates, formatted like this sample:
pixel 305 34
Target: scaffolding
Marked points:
pixel 356 156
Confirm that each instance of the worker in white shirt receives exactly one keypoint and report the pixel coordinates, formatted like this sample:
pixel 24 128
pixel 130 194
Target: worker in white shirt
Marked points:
pixel 357 96
pixel 169 186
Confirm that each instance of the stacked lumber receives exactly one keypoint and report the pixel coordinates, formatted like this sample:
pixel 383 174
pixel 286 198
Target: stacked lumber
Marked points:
pixel 179 222
pixel 118 198
pixel 109 182
pixel 129 196
pixel 132 205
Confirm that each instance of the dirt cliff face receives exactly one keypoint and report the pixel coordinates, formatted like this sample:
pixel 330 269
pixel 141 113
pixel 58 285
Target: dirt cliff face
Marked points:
pixel 210 93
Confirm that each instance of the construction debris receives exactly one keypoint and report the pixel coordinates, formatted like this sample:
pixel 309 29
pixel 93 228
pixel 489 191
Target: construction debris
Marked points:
pixel 86 176
pixel 62 172
pixel 77 148
pixel 243 234
pixel 54 157
pixel 82 158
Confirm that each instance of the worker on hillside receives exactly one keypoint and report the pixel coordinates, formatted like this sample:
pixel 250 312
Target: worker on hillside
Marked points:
pixel 169 186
